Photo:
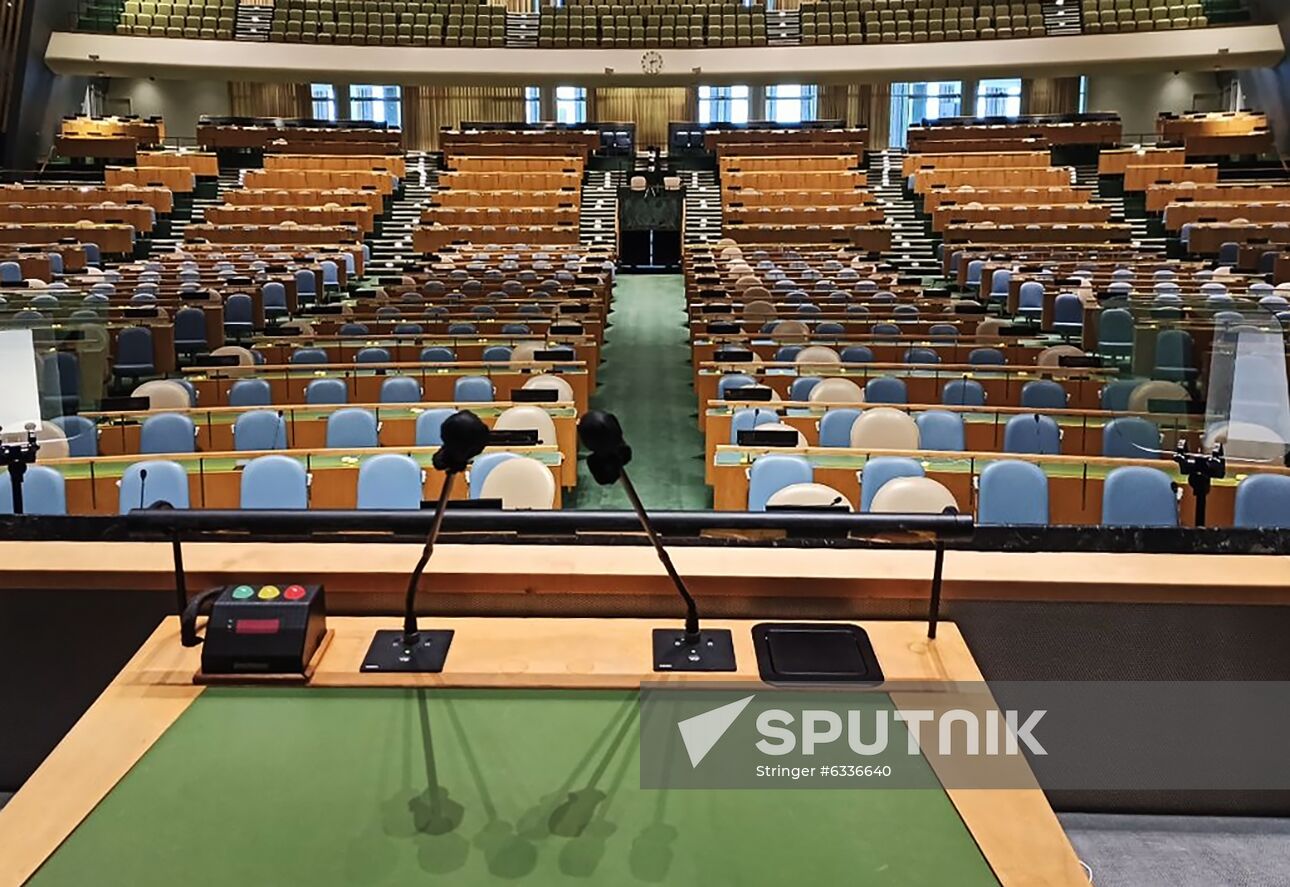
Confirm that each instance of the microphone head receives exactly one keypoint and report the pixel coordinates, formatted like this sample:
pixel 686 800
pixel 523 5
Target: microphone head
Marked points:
pixel 464 437
pixel 601 433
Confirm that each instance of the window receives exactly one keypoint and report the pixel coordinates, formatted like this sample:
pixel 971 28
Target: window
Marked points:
pixel 792 102
pixel 532 104
pixel 379 104
pixel 723 104
pixel 912 103
pixel 570 104
pixel 999 97
pixel 324 96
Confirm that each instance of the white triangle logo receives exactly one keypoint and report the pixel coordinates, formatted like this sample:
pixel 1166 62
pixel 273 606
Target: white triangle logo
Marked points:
pixel 701 732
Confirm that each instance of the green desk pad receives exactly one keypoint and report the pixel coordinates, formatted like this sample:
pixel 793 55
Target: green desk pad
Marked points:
pixel 278 786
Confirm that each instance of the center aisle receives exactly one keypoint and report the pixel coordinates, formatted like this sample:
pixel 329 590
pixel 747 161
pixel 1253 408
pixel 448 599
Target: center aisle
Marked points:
pixel 645 381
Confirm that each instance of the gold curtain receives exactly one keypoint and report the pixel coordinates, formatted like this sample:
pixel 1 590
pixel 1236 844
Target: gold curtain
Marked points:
pixel 842 101
pixel 426 109
pixel 873 109
pixel 1050 95
pixel 287 100
pixel 650 107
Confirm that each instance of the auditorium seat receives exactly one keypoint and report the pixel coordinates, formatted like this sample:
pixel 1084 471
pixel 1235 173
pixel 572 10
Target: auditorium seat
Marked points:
pixel 167 433
pixel 43 492
pixel 1136 496
pixel 321 392
pixel 941 430
pixel 520 483
pixel 259 430
pixel 1130 437
pixel 390 480
pixel 82 435
pixel 250 393
pixel 1032 433
pixel 881 469
pixel 885 428
pixel 480 468
pixel 528 418
pixel 769 474
pixel 1012 493
pixel 352 428
pixel 1263 502
pixel 165 481
pixel 810 495
pixel 913 495
pixel 274 482
pixel 428 427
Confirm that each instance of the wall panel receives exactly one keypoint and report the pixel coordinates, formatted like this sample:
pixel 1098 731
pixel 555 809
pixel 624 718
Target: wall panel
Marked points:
pixel 651 108
pixel 427 108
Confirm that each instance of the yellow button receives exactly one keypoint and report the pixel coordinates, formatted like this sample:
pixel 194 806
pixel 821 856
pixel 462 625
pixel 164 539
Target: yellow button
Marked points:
pixel 269 592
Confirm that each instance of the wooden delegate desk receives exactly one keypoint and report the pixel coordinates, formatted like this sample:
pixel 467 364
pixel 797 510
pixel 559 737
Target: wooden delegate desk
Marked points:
pixel 983 146
pixel 938 198
pixel 869 238
pixel 297 179
pixel 913 163
pixel 160 199
pixel 361 217
pixel 141 218
pixel 311 235
pixel 91 147
pixel 1159 197
pixel 215 479
pixel 792 180
pixel 202 164
pixel 1079 132
pixel 1251 144
pixel 391 164
pixel 1011 235
pixel 526 711
pixel 1074 482
pixel 433 238
pixel 369 198
pixel 174 179
pixel 363 381
pixel 990 177
pixel 112 239
pixel 150 131
pixel 1207 237
pixel 923 382
pixel 517 198
pixel 1115 161
pixel 518 163
pixel 824 216
pixel 813 163
pixel 477 216
pixel 752 198
pixel 1018 214
pixel 1179 214
pixel 260 134
pixel 1139 177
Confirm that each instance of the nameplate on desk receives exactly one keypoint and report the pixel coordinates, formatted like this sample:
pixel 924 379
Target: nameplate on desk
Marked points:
pixel 125 404
pixel 534 395
pixel 463 504
pixel 389 281
pixel 1081 361
pixel 749 392
pixel 565 329
pixel 756 437
pixel 718 308
pixel 140 311
pixel 579 308
pixel 935 292
pixel 516 437
pixel 724 327
pixel 216 360
pixel 326 309
pixel 733 355
pixel 1016 330
pixel 195 296
pixel 553 354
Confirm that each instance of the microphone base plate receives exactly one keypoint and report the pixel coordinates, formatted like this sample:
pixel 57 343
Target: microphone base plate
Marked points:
pixel 389 653
pixel 715 650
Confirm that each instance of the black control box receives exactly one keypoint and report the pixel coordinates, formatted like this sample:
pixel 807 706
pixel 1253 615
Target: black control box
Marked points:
pixel 264 629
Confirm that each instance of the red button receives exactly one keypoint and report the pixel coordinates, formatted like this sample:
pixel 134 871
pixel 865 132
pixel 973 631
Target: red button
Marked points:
pixel 293 592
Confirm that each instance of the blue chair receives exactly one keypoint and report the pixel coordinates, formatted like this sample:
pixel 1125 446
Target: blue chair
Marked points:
pixel 515 329
pixel 10 273
pixel 1130 437
pixel 390 480
pixel 400 389
pixel 55 262
pixel 473 389
pixel 770 474
pixel 963 393
pixel 1043 394
pixel 886 330
pixel 1115 333
pixel 250 393
pixel 351 428
pixel 260 430
pixel 1032 433
pixel 461 329
pixel 986 357
pixel 733 380
pixel 428 427
pixel 835 426
pixel 1263 502
pixel 974 269
pixel 60 382
pixel 330 274
pixel 1136 496
pixel 885 389
pixel 93 256
pixel 437 354
pixel 134 354
pixel 190 330
pixel 1030 299
pixel 497 353
pixel 274 482
pixel 167 433
pixel 165 482
pixel 920 355
pixel 1229 253
pixel 82 435
pixel 943 331
pixel 879 470
pixel 1115 396
pixel 1175 358
pixel 802 386
pixel 1013 494
pixel 857 354
pixel 999 282
pixel 482 466
pixel 372 355
pixel 748 418
pixel 322 392
pixel 1068 314
pixel 274 297
pixel 189 387
pixel 239 316
pixel 306 283
pixel 941 430
pixel 787 353
pixel 308 355
pixel 43 492
pixel 353 329
pixel 830 328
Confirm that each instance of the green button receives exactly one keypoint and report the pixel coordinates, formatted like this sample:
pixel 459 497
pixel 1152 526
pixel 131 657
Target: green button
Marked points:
pixel 242 592
pixel 269 592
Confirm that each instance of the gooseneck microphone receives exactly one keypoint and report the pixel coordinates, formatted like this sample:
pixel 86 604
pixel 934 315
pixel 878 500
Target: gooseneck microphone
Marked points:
pixel 464 437
pixel 692 649
pixel 143 485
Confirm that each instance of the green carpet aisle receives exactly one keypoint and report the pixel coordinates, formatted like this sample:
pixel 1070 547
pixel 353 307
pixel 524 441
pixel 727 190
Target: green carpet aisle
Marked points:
pixel 645 381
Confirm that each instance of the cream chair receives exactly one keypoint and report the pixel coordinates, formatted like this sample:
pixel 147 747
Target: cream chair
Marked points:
pixel 781 426
pixel 1052 356
pixel 836 390
pixel 164 394
pixel 817 354
pixel 791 331
pixel 990 329
pixel 759 310
pixel 912 495
pixel 885 428
pixel 528 418
pixel 520 483
pixel 1141 397
pixel 547 381
pixel 244 359
pixel 809 495
pixel 51 438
